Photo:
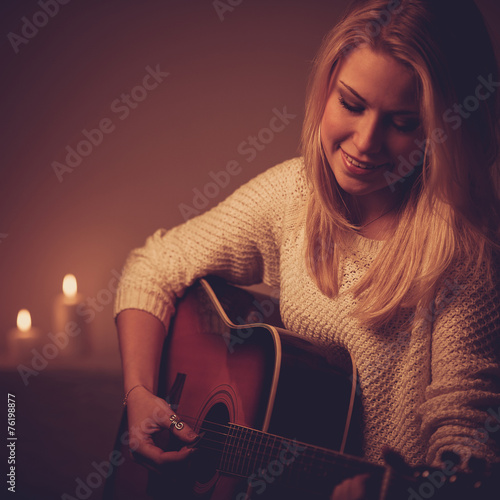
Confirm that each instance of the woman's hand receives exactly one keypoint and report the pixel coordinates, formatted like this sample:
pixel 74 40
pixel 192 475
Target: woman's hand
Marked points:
pixel 353 488
pixel 148 414
pixel 357 487
pixel 141 338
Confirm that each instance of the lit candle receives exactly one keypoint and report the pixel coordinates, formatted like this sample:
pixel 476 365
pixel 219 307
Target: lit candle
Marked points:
pixel 69 326
pixel 23 339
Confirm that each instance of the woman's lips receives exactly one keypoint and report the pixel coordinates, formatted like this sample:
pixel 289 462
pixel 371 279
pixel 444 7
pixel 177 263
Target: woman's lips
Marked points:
pixel 357 167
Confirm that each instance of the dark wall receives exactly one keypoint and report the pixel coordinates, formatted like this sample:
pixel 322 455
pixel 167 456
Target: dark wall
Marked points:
pixel 227 72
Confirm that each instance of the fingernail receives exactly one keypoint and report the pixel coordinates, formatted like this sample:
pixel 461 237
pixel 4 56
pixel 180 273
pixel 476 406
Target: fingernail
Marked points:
pixel 196 441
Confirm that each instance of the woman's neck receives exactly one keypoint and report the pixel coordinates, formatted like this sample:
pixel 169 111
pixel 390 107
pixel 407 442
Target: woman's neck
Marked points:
pixel 382 227
pixel 378 216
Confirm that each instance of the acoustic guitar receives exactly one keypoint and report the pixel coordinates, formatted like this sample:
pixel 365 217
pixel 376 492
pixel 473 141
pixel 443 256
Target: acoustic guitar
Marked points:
pixel 276 419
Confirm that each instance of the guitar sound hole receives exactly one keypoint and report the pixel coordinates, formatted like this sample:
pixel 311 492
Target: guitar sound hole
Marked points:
pixel 208 457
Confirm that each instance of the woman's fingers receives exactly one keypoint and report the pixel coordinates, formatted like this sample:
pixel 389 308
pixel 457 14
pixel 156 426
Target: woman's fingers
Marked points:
pixel 148 453
pixel 186 434
pixel 149 415
pixel 152 457
pixel 353 488
pixel 178 427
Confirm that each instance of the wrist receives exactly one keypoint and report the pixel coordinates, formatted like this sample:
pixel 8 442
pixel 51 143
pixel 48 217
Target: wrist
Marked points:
pixel 132 389
pixel 133 375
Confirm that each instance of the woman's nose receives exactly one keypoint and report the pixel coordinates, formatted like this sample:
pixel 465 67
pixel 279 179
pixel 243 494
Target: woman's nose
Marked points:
pixel 369 135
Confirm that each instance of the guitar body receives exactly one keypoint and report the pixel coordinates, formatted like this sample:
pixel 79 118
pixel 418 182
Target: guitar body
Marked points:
pixel 276 420
pixel 221 367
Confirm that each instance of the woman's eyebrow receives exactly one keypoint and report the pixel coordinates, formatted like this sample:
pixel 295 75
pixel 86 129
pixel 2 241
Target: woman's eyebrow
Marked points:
pixel 350 89
pixel 393 112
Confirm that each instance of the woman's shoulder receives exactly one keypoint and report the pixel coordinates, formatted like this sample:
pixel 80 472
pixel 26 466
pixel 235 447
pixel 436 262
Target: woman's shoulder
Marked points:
pixel 287 177
pixel 277 195
pixel 471 289
pixel 293 166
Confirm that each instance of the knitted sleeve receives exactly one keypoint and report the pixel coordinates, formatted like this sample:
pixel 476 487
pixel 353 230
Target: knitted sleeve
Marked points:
pixel 238 240
pixel 462 409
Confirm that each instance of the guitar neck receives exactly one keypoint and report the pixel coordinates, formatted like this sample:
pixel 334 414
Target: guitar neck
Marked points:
pixel 256 454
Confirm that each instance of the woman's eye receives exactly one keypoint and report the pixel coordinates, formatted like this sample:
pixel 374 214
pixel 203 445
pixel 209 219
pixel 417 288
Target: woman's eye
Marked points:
pixel 407 127
pixel 350 107
pixel 404 127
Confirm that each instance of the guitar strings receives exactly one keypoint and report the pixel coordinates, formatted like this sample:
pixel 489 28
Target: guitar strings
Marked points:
pixel 250 436
pixel 247 465
pixel 267 450
pixel 253 432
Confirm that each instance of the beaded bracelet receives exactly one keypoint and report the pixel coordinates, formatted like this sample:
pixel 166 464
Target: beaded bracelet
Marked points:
pixel 130 390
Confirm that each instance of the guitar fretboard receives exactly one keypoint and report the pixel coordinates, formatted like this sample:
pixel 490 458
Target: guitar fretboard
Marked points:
pixel 248 452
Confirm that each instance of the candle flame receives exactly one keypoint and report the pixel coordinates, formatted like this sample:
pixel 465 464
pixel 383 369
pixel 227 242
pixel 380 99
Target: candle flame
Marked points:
pixel 69 285
pixel 24 320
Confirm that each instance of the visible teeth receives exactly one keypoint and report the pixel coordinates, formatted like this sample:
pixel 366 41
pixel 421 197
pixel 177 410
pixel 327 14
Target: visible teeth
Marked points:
pixel 352 161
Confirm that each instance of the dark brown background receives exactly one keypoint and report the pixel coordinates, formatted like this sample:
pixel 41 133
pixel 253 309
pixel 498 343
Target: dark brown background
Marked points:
pixel 226 77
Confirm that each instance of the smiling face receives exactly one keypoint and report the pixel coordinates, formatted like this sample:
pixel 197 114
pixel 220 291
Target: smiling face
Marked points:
pixel 371 119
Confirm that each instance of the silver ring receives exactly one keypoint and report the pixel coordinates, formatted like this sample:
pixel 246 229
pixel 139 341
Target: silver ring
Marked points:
pixel 176 423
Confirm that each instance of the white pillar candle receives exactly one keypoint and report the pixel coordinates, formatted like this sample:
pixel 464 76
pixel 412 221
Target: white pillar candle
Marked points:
pixel 69 326
pixel 23 339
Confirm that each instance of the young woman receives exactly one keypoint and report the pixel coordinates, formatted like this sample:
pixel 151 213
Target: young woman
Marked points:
pixel 382 237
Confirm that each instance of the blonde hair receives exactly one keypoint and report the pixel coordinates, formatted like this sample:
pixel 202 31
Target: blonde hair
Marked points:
pixel 450 209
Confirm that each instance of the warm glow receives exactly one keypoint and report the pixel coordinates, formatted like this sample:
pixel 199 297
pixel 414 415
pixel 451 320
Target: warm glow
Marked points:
pixel 24 320
pixel 69 285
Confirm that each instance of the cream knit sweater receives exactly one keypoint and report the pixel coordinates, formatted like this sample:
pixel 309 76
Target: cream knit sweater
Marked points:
pixel 433 388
